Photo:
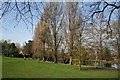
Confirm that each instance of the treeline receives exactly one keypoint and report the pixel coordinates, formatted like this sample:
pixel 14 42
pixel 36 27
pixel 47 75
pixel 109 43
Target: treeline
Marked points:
pixel 10 49
pixel 63 36
pixel 58 35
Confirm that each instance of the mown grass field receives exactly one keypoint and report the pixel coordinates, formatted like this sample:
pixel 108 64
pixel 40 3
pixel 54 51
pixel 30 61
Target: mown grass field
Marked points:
pixel 19 68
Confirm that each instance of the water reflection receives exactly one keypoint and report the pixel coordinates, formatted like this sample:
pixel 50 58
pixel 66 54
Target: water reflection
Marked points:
pixel 115 66
pixel 109 65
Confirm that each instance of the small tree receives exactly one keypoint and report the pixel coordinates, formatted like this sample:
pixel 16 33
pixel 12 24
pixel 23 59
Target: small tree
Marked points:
pixel 107 54
pixel 5 48
pixel 27 48
pixel 80 52
pixel 9 49
pixel 13 49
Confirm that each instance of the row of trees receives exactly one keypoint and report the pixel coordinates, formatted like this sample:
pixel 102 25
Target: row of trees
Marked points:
pixel 58 30
pixel 62 32
pixel 10 49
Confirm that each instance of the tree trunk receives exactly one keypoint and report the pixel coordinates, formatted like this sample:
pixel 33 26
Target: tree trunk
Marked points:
pixel 44 51
pixel 70 60
pixel 80 63
pixel 118 41
pixel 55 58
pixel 71 46
pixel 38 59
pixel 101 45
pixel 43 58
pixel 96 65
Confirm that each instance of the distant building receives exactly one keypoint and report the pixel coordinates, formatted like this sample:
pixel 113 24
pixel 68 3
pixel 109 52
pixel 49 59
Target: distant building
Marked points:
pixel 21 52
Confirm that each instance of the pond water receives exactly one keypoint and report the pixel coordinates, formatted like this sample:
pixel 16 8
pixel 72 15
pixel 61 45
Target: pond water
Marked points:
pixel 116 66
pixel 109 65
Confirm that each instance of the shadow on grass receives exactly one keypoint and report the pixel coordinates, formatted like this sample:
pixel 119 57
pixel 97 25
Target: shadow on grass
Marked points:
pixel 91 68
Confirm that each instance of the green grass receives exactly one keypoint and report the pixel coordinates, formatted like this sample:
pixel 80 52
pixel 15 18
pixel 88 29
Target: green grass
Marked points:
pixel 19 68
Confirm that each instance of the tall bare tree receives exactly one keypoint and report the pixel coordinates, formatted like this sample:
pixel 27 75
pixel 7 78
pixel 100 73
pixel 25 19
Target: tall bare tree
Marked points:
pixel 56 17
pixel 73 23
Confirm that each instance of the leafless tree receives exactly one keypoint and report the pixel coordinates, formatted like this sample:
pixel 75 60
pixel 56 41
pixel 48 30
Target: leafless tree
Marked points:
pixel 73 21
pixel 55 24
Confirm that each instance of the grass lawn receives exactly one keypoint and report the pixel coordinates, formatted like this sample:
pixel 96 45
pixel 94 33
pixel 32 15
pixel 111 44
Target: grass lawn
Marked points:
pixel 19 68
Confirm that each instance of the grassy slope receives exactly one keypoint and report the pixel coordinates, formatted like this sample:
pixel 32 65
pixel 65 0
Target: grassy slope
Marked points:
pixel 19 68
